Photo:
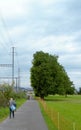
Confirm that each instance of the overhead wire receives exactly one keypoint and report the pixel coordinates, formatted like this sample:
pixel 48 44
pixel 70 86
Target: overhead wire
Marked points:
pixel 9 37
pixel 7 32
pixel 4 47
pixel 10 42
pixel 5 39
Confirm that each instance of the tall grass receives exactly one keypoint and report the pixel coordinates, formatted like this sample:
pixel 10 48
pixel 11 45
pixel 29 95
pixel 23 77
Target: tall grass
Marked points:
pixel 49 122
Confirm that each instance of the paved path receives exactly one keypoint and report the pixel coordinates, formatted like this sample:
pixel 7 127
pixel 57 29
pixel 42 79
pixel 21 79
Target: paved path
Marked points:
pixel 27 117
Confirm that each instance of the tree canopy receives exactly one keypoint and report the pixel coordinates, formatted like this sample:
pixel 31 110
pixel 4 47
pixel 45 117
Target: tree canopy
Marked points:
pixel 48 76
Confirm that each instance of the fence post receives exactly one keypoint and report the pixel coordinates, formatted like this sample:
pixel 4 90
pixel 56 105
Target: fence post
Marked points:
pixel 58 122
pixel 74 126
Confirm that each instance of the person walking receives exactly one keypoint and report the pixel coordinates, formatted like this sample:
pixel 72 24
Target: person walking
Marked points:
pixel 12 107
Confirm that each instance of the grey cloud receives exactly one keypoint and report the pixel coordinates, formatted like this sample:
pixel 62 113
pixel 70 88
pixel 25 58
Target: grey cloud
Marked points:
pixel 57 18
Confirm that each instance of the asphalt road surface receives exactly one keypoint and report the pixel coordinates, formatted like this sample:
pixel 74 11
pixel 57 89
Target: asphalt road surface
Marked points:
pixel 27 117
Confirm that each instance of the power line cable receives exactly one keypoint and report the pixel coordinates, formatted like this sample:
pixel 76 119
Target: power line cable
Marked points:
pixel 8 36
pixel 3 40
pixel 6 28
pixel 4 47
pixel 5 44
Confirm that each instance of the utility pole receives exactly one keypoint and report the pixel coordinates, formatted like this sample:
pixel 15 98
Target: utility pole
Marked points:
pixel 18 77
pixel 10 65
pixel 13 66
pixel 16 84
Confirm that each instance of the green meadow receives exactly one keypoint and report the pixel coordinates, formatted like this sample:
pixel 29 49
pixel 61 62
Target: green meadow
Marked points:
pixel 63 112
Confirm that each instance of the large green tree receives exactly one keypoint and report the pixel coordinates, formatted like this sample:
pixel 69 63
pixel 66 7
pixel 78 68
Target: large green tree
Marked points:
pixel 48 76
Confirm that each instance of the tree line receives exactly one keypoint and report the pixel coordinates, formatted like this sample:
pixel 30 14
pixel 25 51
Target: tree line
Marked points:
pixel 48 76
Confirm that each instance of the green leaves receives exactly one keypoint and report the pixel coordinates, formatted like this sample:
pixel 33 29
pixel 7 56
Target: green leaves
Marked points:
pixel 48 76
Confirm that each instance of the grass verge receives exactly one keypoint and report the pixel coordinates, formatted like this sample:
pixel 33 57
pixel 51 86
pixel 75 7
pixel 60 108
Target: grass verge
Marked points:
pixel 48 121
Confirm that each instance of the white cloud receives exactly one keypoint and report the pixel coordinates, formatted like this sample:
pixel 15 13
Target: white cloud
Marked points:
pixel 11 9
pixel 75 75
pixel 56 44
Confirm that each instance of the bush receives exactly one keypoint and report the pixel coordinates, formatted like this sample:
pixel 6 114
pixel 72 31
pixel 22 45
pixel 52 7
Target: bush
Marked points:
pixel 3 101
pixel 6 92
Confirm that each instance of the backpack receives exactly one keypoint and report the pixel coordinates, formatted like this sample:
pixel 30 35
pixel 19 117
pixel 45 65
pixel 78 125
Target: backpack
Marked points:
pixel 13 108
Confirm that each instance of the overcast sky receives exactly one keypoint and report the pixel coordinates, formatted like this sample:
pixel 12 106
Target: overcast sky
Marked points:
pixel 52 26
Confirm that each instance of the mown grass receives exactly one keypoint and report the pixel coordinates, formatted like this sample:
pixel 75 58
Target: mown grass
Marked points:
pixel 4 111
pixel 69 109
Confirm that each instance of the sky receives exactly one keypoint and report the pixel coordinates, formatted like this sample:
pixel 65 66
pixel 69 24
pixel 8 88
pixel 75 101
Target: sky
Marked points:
pixel 52 26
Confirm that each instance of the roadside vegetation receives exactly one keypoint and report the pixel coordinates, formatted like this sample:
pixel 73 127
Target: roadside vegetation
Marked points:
pixel 48 120
pixel 6 92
